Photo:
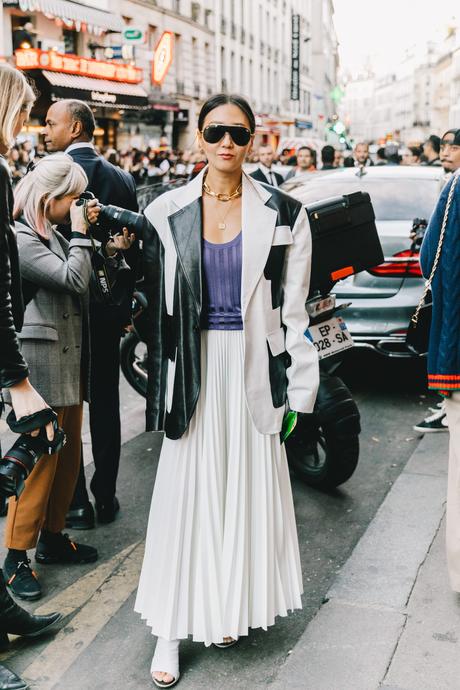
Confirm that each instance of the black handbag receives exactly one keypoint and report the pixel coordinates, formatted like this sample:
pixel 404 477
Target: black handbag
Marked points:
pixel 418 331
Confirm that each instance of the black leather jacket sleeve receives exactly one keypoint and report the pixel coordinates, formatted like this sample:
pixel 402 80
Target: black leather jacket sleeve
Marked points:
pixel 13 368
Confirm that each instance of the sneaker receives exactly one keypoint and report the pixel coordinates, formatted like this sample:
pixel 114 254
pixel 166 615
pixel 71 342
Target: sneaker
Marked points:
pixel 437 422
pixel 58 548
pixel 22 580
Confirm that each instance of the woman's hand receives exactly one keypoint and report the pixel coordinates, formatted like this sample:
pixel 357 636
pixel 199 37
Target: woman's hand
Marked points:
pixel 77 215
pixel 92 211
pixel 25 401
pixel 120 242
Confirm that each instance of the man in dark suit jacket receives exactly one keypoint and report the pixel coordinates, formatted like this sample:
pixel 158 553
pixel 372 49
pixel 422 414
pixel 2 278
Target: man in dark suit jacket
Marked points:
pixel 264 172
pixel 69 127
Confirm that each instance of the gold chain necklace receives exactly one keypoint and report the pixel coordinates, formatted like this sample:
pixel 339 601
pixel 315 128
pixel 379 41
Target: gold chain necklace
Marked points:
pixel 223 197
pixel 222 224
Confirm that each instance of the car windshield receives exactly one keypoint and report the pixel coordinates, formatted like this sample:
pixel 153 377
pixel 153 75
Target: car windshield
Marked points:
pixel 392 199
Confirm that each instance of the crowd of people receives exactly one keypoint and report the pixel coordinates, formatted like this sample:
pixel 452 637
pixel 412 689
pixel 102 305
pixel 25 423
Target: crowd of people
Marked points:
pixel 227 357
pixel 162 165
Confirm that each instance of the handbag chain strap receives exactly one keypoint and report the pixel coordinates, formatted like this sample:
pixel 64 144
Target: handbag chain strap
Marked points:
pixel 438 252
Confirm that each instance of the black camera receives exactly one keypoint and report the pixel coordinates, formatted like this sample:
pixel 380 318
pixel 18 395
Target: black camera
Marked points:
pixel 115 218
pixel 419 226
pixel 19 461
pixel 112 219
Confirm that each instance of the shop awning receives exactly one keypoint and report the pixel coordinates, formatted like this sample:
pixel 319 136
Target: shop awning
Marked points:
pixel 97 92
pixel 96 21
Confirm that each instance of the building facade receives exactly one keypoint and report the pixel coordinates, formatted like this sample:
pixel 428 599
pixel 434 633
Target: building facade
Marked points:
pixel 243 46
pixel 421 98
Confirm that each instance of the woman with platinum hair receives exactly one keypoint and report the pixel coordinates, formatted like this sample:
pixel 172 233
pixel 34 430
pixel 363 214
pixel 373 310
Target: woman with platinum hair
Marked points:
pixel 56 276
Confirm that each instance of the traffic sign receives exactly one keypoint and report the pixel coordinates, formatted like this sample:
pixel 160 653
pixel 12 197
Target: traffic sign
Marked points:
pixel 134 35
pixel 162 57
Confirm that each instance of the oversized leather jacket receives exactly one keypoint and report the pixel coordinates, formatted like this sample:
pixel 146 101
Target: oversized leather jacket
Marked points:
pixel 12 365
pixel 280 363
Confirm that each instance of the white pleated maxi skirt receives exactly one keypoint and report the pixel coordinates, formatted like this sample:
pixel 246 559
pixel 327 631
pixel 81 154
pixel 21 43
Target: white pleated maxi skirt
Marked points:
pixel 221 553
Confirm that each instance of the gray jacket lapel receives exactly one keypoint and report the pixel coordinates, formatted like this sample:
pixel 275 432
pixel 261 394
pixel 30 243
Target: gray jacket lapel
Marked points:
pixel 185 227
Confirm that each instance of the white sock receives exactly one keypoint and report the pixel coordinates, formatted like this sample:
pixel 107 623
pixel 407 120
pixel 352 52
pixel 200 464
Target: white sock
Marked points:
pixel 166 657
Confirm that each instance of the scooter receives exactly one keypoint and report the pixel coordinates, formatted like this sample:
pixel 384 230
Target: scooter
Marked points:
pixel 322 450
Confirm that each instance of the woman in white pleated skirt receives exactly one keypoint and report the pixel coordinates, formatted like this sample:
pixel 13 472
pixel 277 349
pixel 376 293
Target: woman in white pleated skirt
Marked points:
pixel 221 552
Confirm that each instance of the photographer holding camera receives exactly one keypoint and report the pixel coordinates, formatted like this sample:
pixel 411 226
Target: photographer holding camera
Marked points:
pixel 69 127
pixel 56 275
pixel 17 100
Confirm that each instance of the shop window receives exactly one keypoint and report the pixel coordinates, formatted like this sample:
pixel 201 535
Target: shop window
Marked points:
pixel 70 41
pixel 23 31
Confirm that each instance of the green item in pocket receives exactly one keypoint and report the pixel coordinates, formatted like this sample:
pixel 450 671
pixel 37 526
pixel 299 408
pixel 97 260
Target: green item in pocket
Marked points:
pixel 289 422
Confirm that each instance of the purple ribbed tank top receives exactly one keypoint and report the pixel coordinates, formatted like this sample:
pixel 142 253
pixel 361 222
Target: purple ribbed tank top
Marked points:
pixel 222 285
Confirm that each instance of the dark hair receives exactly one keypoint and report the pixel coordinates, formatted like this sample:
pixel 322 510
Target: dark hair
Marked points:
pixel 81 112
pixel 381 153
pixel 456 133
pixel 327 154
pixel 222 99
pixel 312 153
pixel 435 142
pixel 415 151
pixel 349 162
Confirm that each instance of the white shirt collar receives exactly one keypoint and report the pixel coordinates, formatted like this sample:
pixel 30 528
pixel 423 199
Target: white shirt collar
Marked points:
pixel 266 171
pixel 80 145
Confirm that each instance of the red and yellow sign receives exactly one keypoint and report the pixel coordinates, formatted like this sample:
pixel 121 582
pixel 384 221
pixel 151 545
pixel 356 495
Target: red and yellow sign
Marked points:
pixel 162 57
pixel 73 64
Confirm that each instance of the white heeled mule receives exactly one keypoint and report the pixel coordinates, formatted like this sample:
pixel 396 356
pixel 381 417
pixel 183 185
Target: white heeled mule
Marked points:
pixel 166 660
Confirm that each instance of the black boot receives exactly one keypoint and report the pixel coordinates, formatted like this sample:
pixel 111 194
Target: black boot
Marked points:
pixel 10 681
pixel 17 621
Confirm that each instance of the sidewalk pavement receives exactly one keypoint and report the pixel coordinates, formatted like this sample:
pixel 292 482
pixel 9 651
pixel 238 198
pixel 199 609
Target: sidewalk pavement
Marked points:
pixel 390 620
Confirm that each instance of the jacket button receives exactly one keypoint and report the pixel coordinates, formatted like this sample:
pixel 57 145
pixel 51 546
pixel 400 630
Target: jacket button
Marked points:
pixel 65 316
pixel 65 349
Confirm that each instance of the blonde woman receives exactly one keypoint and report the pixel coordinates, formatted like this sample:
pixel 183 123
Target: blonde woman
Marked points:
pixel 15 104
pixel 56 275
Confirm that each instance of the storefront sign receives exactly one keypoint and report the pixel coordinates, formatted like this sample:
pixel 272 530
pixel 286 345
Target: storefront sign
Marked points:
pixel 73 64
pixel 295 57
pixel 103 97
pixel 133 35
pixel 304 124
pixel 162 57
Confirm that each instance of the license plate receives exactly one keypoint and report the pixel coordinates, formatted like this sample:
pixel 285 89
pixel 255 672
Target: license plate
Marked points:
pixel 330 337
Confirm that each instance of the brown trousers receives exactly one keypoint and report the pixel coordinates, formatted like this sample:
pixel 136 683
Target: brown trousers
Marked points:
pixel 49 488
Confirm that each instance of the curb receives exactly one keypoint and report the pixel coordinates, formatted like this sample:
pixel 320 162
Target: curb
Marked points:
pixel 351 641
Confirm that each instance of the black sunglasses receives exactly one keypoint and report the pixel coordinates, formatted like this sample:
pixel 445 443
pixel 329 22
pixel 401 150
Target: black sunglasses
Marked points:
pixel 240 135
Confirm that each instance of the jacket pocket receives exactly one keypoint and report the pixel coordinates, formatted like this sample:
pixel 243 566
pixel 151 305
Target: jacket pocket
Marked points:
pixel 276 341
pixel 170 382
pixel 38 332
pixel 282 235
pixel 278 362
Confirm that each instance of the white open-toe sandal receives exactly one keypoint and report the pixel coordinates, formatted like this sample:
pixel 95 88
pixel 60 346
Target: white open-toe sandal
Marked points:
pixel 166 660
pixel 224 645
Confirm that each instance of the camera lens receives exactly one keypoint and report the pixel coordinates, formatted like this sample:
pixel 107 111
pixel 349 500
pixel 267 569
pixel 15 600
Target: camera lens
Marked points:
pixel 117 218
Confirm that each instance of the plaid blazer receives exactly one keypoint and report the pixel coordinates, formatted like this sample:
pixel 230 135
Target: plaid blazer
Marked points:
pixel 54 339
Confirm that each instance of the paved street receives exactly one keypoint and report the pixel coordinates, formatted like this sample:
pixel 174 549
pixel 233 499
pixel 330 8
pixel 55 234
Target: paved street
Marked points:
pixel 99 599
